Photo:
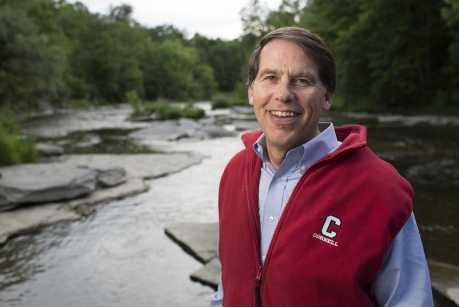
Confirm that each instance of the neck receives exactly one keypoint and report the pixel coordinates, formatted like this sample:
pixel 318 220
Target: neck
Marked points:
pixel 276 157
pixel 277 154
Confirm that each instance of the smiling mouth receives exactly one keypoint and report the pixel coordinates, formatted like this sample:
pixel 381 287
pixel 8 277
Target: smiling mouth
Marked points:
pixel 283 114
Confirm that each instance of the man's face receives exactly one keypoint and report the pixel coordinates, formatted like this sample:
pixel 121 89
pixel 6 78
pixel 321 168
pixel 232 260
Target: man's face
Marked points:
pixel 288 96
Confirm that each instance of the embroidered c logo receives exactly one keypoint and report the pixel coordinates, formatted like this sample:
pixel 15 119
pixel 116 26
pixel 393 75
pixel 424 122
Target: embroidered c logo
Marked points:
pixel 325 229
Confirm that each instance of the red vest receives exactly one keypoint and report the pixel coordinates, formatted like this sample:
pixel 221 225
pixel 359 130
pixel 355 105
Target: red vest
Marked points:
pixel 332 236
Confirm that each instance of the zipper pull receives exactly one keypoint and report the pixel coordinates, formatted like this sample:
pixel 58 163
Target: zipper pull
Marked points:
pixel 257 288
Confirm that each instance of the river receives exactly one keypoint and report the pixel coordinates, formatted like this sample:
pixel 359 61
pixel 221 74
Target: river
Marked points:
pixel 120 256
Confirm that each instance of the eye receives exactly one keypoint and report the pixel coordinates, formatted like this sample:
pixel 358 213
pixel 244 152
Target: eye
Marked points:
pixel 272 78
pixel 302 81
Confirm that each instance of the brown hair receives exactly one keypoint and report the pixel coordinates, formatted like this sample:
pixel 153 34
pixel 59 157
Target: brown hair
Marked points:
pixel 312 46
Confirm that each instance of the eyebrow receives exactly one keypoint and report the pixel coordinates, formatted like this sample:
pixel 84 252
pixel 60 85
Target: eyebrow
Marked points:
pixel 304 73
pixel 267 71
pixel 307 75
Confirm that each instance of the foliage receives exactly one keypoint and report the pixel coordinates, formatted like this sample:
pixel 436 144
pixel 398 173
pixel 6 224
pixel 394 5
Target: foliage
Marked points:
pixel 13 149
pixel 135 102
pixel 289 14
pixel 390 54
pixel 191 112
pixel 58 51
pixel 30 63
pixel 165 111
pixel 450 13
pixel 228 102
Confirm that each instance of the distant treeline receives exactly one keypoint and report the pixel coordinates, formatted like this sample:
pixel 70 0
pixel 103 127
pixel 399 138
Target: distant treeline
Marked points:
pixel 391 54
pixel 56 51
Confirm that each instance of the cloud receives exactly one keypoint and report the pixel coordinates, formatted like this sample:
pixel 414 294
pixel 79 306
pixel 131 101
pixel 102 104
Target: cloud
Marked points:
pixel 212 18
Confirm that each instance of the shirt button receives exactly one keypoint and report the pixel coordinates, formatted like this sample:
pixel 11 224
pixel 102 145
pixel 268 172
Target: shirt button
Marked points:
pixel 264 257
pixel 279 180
pixel 259 149
pixel 271 219
pixel 303 168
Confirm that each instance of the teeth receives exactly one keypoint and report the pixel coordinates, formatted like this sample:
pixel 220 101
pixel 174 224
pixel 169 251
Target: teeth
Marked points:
pixel 283 114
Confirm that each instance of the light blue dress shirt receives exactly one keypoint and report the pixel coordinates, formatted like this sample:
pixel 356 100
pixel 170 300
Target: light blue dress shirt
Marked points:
pixel 404 277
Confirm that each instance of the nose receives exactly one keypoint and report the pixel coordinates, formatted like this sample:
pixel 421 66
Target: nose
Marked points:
pixel 284 91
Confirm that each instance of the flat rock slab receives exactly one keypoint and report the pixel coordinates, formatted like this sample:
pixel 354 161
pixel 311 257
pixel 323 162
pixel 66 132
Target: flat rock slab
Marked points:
pixel 109 175
pixel 49 150
pixel 197 239
pixel 29 218
pixel 146 166
pixel 246 125
pixel 173 130
pixel 200 239
pixel 445 280
pixel 209 274
pixel 43 182
pixel 138 167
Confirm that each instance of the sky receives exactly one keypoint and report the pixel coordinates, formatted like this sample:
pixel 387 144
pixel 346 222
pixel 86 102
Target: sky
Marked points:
pixel 211 18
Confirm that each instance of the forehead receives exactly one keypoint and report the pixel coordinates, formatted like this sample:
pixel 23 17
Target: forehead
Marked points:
pixel 285 52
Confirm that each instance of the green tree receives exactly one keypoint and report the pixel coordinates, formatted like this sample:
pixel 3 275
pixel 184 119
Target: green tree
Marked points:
pixel 450 13
pixel 174 71
pixel 253 17
pixel 30 65
pixel 389 53
pixel 289 14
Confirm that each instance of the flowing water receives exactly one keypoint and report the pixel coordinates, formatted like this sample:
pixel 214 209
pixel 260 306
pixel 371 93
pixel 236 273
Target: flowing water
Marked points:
pixel 120 256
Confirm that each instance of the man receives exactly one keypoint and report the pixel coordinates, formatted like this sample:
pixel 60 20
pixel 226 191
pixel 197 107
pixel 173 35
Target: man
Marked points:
pixel 308 215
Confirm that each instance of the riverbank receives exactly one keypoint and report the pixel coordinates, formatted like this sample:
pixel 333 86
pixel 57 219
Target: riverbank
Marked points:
pixel 138 168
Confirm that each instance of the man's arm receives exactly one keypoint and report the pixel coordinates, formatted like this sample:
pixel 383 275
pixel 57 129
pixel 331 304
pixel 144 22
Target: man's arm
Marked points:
pixel 404 278
pixel 217 297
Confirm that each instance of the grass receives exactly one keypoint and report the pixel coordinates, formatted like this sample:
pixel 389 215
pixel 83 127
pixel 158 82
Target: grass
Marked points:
pixel 221 103
pixel 14 149
pixel 162 108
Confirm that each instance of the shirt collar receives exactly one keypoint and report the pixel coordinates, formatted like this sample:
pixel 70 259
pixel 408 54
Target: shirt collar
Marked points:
pixel 309 152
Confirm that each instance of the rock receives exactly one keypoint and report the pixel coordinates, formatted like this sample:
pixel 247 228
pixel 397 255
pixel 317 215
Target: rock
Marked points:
pixel 167 131
pixel 200 241
pixel 138 167
pixel 109 175
pixel 29 218
pixel 197 239
pixel 445 282
pixel 242 109
pixel 182 128
pixel 42 182
pixel 49 150
pixel 209 274
pixel 146 166
pixel 215 131
pixel 246 125
pixel 141 118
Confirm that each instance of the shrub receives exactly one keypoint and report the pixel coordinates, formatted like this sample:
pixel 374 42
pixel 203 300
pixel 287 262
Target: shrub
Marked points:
pixel 229 102
pixel 135 102
pixel 191 112
pixel 166 111
pixel 13 149
pixel 220 104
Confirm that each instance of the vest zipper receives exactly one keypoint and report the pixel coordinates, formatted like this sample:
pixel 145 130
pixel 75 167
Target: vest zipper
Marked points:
pixel 257 287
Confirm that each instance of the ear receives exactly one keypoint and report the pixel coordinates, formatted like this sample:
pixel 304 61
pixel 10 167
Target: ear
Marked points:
pixel 250 95
pixel 328 101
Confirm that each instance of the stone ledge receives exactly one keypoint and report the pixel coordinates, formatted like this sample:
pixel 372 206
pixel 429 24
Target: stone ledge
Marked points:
pixel 138 167
pixel 197 239
pixel 208 275
pixel 445 280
